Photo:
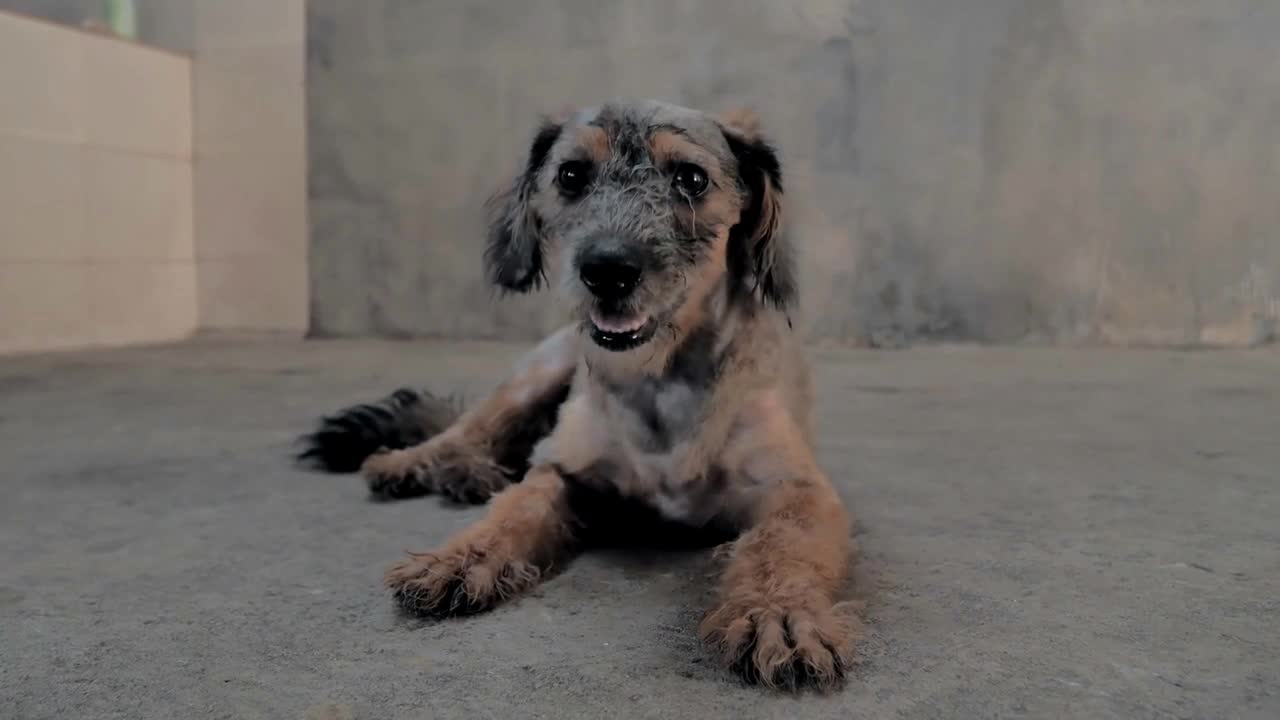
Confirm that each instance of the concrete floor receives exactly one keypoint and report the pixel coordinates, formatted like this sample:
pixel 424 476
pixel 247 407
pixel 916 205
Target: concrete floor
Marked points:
pixel 1045 534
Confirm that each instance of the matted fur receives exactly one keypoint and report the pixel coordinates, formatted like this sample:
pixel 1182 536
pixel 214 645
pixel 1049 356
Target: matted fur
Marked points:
pixel 677 393
pixel 406 417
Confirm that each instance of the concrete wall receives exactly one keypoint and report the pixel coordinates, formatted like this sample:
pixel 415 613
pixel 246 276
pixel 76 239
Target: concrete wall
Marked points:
pixel 1001 170
pixel 251 164
pixel 240 197
pixel 96 234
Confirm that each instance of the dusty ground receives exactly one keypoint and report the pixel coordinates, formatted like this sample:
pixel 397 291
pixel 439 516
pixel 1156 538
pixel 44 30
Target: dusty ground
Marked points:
pixel 1045 534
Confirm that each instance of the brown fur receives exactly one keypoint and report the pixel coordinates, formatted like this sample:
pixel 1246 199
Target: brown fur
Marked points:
pixel 526 528
pixel 720 210
pixel 743 121
pixel 776 614
pixel 708 422
pixel 461 462
pixel 595 142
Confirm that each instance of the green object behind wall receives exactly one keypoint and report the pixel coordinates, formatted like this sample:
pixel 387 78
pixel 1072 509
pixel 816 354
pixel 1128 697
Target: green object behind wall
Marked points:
pixel 122 17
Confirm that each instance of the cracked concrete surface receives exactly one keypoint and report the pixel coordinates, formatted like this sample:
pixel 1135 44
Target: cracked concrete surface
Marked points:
pixel 1044 534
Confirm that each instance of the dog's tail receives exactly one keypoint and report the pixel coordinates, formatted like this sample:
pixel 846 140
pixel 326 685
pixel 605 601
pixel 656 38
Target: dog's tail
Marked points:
pixel 342 441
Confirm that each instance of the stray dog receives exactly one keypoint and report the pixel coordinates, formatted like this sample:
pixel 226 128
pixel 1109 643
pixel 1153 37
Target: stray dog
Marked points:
pixel 678 392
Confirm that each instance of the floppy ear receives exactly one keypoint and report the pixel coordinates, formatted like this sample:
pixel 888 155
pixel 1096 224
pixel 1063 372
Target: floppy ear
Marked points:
pixel 513 258
pixel 757 240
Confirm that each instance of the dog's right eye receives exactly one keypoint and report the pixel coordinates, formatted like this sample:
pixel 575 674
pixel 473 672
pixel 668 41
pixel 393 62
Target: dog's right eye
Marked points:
pixel 573 176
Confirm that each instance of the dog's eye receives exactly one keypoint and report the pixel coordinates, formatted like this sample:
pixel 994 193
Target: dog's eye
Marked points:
pixel 690 180
pixel 573 177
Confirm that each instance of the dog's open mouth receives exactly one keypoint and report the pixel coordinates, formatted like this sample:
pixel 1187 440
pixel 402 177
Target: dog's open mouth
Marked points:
pixel 621 332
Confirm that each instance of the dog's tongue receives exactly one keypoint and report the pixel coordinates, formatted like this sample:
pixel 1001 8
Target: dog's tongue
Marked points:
pixel 619 325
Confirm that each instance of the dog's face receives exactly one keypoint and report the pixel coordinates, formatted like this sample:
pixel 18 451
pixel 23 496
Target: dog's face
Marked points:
pixel 646 211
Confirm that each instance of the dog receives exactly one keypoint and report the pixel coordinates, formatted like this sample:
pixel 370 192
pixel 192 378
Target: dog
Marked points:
pixel 677 393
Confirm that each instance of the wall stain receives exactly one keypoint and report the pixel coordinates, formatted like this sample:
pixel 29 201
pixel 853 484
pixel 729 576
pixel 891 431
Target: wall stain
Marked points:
pixel 986 170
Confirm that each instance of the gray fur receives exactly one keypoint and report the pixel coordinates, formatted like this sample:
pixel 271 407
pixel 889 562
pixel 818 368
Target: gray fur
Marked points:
pixel 678 393
pixel 650 421
pixel 663 408
pixel 630 204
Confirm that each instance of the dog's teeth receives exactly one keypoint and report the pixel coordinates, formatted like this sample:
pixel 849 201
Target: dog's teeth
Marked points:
pixel 620 326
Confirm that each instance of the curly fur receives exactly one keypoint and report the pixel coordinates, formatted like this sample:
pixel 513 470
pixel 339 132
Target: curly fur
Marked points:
pixel 458 471
pixel 407 417
pixel 690 418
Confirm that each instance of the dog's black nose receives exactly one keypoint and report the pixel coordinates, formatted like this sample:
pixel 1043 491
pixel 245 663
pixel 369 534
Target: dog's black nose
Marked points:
pixel 609 276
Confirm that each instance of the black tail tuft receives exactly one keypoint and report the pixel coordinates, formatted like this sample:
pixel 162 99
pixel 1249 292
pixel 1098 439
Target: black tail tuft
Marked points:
pixel 404 418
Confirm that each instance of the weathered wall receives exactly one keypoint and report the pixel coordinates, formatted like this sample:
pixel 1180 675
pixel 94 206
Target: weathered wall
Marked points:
pixel 1000 170
pixel 251 164
pixel 244 103
pixel 96 241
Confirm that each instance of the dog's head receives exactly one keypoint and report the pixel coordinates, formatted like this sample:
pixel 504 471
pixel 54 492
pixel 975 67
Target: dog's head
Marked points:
pixel 646 211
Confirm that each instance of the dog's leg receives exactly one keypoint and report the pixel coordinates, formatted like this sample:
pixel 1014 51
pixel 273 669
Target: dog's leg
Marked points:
pixel 775 621
pixel 489 445
pixel 528 526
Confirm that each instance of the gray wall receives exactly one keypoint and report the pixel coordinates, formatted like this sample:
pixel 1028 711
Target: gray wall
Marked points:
pixel 998 170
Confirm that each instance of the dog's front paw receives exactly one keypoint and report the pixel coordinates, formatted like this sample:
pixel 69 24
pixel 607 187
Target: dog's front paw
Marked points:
pixel 396 473
pixel 780 645
pixel 454 469
pixel 461 580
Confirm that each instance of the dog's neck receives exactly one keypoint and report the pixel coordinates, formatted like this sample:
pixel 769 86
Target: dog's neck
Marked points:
pixel 705 331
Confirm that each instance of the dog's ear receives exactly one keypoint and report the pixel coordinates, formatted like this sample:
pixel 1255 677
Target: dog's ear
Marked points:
pixel 757 240
pixel 513 258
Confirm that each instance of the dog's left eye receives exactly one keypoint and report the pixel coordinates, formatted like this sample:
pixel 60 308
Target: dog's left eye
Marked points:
pixel 690 180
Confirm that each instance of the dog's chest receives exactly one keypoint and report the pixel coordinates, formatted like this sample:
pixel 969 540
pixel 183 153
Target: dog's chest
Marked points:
pixel 654 416
pixel 658 413
pixel 655 427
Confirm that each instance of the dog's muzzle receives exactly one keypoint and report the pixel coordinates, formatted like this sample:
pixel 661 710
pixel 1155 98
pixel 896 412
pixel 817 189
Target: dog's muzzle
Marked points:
pixel 609 276
pixel 612 277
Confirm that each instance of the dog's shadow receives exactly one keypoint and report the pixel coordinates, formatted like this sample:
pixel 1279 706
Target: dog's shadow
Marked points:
pixel 636 534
